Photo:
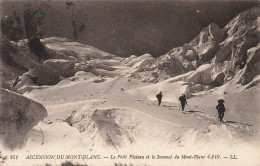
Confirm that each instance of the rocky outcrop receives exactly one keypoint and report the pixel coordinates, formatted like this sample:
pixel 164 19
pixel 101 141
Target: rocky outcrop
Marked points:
pixel 206 44
pixel 202 48
pixel 242 34
pixel 43 75
pixel 215 56
pixel 166 66
pixel 190 56
pixel 21 56
pixel 18 115
pixel 38 48
pixel 183 59
pixel 18 55
pixel 65 58
pixel 13 62
pixel 26 55
pixel 50 73
pixel 61 67
pixel 240 49
pixel 252 67
pixel 238 54
pixel 218 79
pixel 172 65
pixel 142 67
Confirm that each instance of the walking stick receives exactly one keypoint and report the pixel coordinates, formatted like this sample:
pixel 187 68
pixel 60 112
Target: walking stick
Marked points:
pixel 215 115
pixel 188 106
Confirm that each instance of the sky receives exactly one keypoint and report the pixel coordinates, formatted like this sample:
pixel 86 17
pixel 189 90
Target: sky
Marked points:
pixel 129 27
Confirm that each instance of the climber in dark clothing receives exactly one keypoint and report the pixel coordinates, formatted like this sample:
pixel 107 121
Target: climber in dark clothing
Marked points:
pixel 159 98
pixel 183 101
pixel 221 109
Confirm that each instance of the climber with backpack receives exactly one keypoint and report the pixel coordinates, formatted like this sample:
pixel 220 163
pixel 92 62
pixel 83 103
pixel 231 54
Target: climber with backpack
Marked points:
pixel 159 98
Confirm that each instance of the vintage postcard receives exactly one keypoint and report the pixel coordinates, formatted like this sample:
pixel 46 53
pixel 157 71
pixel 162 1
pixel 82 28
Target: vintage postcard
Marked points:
pixel 130 83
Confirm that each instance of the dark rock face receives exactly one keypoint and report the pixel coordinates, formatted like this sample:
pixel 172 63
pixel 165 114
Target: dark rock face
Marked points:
pixel 240 49
pixel 61 67
pixel 18 115
pixel 252 67
pixel 43 75
pixel 21 56
pixel 38 48
pixel 218 79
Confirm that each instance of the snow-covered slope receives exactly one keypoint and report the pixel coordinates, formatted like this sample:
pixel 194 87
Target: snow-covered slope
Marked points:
pixel 123 117
pixel 91 112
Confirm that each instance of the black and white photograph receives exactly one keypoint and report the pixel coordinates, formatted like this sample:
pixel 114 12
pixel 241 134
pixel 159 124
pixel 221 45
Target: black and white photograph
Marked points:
pixel 130 83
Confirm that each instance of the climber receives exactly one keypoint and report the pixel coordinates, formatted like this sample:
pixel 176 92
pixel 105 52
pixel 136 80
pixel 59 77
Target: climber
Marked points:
pixel 221 109
pixel 159 98
pixel 183 101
